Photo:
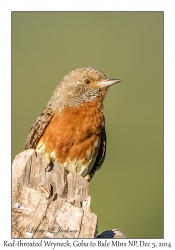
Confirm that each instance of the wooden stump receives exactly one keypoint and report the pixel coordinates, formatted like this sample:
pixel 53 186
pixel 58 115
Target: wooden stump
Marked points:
pixel 49 203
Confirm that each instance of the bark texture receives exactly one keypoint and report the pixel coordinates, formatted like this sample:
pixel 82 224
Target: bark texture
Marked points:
pixel 49 203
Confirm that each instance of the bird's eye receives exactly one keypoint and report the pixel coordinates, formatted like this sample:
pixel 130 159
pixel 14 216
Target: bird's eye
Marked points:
pixel 87 81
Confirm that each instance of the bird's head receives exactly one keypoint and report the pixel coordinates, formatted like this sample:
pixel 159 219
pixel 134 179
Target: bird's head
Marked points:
pixel 82 85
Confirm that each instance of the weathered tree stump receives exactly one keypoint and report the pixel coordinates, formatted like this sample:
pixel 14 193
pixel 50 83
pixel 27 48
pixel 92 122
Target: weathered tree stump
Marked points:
pixel 49 203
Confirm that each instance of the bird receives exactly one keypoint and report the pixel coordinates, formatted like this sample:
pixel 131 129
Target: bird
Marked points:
pixel 71 128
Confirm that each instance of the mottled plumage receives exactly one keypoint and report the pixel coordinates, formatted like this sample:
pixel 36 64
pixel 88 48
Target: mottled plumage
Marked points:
pixel 71 128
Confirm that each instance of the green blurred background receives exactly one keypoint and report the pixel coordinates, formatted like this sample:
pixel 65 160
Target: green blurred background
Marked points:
pixel 127 192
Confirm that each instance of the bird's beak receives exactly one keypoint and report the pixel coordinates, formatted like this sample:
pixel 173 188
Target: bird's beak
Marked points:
pixel 108 82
